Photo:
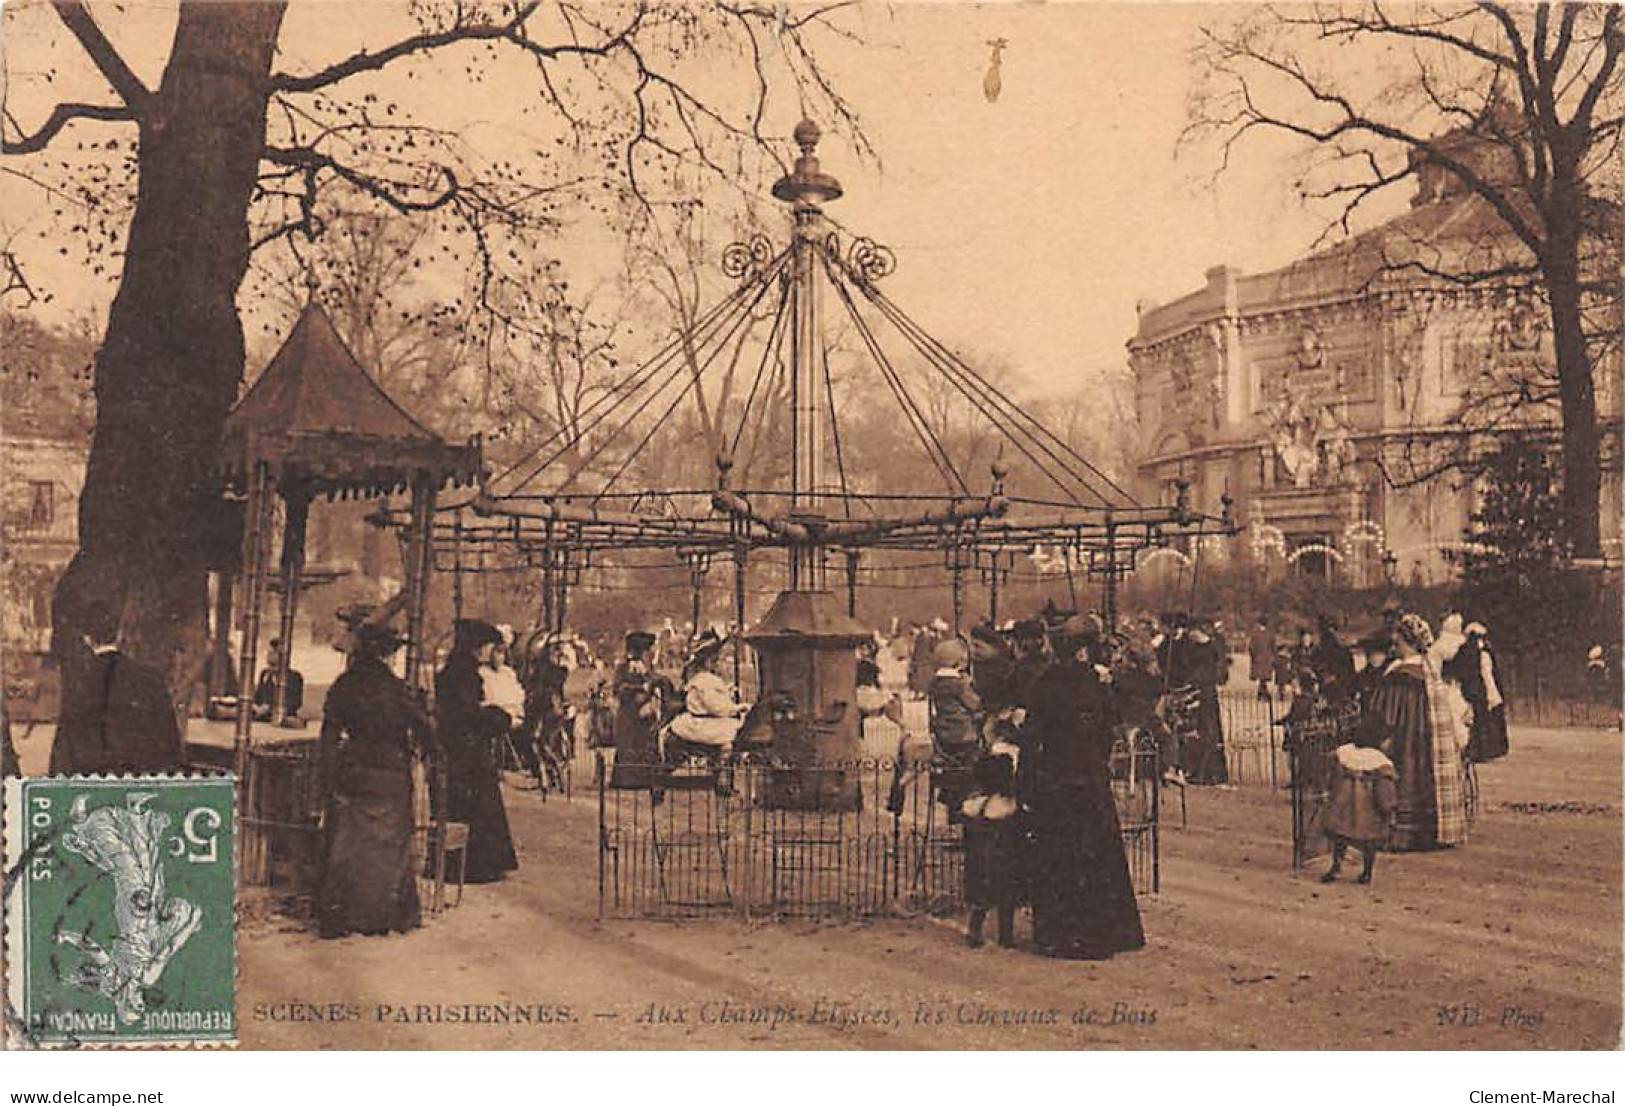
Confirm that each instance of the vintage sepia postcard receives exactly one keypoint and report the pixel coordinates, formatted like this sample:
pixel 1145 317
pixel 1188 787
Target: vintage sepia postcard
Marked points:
pixel 729 525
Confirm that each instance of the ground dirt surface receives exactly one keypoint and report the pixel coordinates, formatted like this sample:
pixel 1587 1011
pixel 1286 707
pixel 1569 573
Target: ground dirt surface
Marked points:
pixel 1512 942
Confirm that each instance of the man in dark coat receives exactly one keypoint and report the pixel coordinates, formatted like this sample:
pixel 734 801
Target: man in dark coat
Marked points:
pixel 469 730
pixel 265 692
pixel 1261 657
pixel 1083 895
pixel 1333 663
pixel 126 722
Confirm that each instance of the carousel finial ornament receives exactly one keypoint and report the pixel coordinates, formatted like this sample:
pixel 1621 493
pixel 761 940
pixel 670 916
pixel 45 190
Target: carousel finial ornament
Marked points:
pixel 806 185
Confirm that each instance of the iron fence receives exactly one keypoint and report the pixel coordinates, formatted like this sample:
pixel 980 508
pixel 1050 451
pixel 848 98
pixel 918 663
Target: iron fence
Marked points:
pixel 872 836
pixel 1590 713
pixel 1254 747
pixel 1312 744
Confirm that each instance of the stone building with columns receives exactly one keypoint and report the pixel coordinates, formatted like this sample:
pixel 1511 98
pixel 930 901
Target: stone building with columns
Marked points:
pixel 1331 397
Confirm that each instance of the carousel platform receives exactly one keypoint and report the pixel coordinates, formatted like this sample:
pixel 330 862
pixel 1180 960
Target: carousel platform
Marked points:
pixel 210 743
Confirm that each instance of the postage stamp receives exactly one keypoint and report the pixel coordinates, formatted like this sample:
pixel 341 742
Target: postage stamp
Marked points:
pixel 120 900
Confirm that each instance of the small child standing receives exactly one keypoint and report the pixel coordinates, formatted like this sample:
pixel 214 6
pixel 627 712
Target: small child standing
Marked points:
pixel 992 849
pixel 956 742
pixel 1364 795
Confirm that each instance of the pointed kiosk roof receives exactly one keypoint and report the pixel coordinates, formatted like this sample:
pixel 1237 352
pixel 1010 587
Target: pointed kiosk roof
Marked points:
pixel 319 419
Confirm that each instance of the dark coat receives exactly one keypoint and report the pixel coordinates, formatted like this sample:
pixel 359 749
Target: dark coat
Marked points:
pixel 641 698
pixel 468 732
pixel 124 723
pixel 1083 895
pixel 372 726
pixel 265 693
pixel 954 707
pixel 1260 655
pixel 1488 740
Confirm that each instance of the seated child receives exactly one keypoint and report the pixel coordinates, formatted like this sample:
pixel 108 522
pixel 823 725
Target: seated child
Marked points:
pixel 1364 795
pixel 871 698
pixel 992 849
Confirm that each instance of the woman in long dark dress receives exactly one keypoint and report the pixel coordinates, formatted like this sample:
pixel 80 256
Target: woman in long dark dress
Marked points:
pixel 1204 756
pixel 1420 736
pixel 1473 669
pixel 641 695
pixel 1083 896
pixel 371 728
pixel 469 731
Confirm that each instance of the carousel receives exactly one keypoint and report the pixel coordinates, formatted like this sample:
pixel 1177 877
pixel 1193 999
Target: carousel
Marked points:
pixel 575 502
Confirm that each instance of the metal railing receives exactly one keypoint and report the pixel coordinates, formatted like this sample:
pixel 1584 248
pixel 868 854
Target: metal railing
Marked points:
pixel 863 838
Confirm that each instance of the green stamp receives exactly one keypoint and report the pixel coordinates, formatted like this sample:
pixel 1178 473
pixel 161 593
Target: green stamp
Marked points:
pixel 120 904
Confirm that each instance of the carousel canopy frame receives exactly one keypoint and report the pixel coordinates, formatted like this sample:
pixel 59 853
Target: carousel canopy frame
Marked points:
pixel 567 498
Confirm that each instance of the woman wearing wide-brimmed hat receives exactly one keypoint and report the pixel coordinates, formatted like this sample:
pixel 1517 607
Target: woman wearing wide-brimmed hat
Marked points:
pixel 710 718
pixel 372 728
pixel 470 729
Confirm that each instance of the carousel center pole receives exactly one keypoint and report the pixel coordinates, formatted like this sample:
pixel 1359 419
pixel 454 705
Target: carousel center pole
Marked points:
pixel 804 188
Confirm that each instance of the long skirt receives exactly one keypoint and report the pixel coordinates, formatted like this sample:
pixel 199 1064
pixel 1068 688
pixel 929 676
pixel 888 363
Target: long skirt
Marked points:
pixel 475 793
pixel 1360 805
pixel 368 884
pixel 637 753
pixel 1083 896
pixel 1489 736
pixel 1204 749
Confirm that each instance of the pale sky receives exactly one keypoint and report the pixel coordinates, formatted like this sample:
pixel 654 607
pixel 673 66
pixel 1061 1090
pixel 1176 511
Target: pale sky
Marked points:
pixel 1025 229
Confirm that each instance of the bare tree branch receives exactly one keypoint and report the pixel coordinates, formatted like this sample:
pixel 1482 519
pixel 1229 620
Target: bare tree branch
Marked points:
pixel 61 116
pixel 136 96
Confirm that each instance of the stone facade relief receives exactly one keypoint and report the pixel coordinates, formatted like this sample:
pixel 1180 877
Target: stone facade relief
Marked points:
pixel 1312 438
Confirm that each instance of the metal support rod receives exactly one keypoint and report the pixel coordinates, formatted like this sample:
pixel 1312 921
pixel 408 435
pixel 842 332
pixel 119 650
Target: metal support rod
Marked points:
pixel 959 587
pixel 696 586
pixel 220 667
pixel 256 524
pixel 852 583
pixel 740 560
pixel 1108 592
pixel 457 567
pixel 547 578
pixel 1067 553
pixel 561 600
pixel 420 562
pixel 293 570
pixel 993 592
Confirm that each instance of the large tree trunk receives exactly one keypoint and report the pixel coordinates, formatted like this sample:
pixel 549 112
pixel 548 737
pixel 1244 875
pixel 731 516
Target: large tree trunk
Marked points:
pixel 172 360
pixel 1582 467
